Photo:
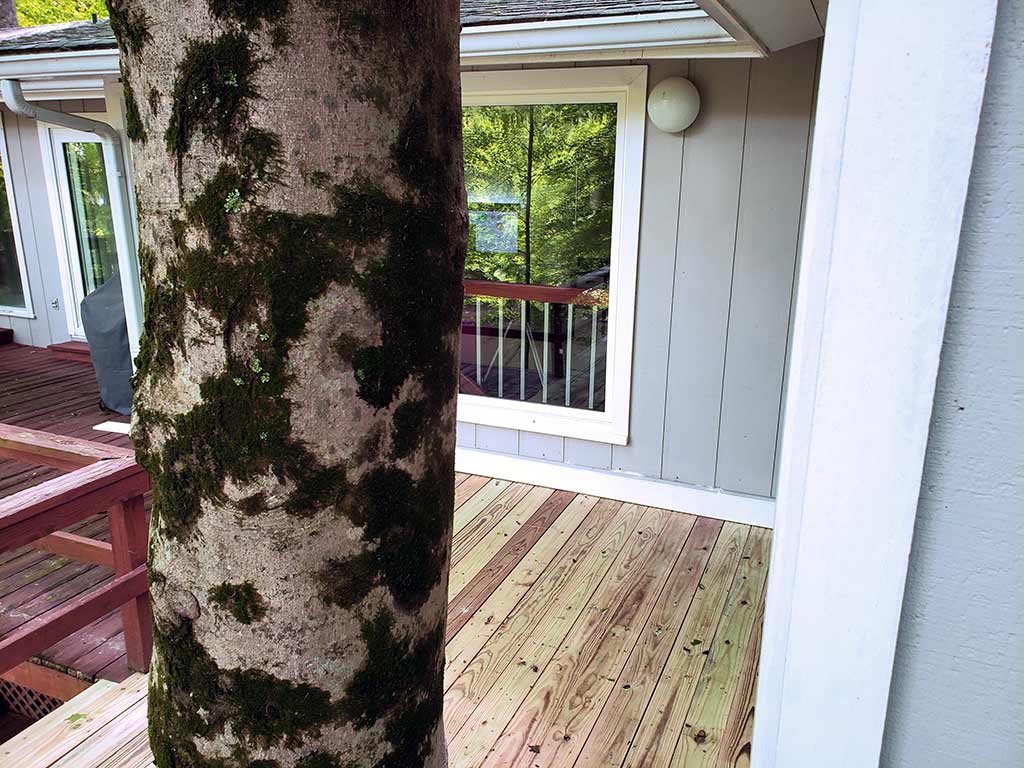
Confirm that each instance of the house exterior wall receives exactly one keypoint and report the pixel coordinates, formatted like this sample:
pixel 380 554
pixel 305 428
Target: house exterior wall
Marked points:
pixel 957 696
pixel 721 207
pixel 718 241
pixel 25 175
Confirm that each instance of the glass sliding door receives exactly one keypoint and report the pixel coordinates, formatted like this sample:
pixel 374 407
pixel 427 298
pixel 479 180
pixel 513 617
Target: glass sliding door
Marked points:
pixel 91 217
pixel 83 191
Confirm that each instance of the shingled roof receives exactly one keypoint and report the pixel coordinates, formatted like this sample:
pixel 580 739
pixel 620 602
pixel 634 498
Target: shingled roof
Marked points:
pixel 89 35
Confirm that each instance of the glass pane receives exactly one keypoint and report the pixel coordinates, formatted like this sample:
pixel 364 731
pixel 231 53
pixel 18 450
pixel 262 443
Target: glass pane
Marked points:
pixel 12 292
pixel 540 184
pixel 90 206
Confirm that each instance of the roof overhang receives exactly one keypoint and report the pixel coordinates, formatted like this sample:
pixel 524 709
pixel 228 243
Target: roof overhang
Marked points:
pixel 62 75
pixel 675 34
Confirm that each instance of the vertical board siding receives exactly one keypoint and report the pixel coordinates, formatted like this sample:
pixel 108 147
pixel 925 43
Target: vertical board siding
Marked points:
pixel 663 157
pixel 465 434
pixel 719 223
pixel 537 446
pixel 587 453
pixel 771 197
pixel 712 168
pixel 497 439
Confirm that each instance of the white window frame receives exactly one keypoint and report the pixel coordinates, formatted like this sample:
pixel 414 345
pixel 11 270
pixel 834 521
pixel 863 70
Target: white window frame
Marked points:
pixel 26 311
pixel 626 87
pixel 57 192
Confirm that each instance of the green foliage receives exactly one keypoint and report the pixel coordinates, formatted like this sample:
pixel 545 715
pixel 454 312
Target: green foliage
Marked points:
pixel 34 12
pixel 568 175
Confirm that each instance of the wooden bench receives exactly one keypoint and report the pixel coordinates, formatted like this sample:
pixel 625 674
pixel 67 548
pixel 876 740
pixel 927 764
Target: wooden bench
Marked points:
pixel 99 478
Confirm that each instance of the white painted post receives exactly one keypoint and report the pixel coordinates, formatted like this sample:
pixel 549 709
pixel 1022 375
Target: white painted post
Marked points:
pixel 899 99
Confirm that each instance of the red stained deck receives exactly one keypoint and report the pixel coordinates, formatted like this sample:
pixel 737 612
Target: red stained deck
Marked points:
pixel 40 390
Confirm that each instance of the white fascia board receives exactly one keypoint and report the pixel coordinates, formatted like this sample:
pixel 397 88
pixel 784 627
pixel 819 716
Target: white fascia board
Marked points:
pixel 48 66
pixel 679 34
pixel 634 36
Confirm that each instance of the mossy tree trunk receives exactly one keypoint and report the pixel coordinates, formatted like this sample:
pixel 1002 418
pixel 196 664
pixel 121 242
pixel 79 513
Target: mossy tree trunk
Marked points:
pixel 302 225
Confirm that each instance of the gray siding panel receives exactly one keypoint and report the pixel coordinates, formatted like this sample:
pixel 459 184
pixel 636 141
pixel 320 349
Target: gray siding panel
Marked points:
pixel 707 240
pixel 663 156
pixel 957 696
pixel 718 234
pixel 537 446
pixel 771 196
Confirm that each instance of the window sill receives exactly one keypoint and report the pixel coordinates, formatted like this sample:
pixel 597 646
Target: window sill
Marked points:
pixel 598 426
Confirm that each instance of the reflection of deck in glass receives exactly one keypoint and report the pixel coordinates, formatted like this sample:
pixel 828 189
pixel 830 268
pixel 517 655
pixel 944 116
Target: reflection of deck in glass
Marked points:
pixel 563 342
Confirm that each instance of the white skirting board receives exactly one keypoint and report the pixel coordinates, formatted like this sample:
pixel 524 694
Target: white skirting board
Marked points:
pixel 621 486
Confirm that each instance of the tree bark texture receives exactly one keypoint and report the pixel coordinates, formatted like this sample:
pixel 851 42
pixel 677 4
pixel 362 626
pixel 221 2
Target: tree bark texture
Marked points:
pixel 302 233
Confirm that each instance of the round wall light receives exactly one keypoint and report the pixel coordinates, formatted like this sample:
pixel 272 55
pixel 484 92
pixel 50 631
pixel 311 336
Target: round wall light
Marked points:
pixel 673 104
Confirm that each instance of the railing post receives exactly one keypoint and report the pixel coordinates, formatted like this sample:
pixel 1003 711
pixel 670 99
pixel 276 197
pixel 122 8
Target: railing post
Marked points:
pixel 129 537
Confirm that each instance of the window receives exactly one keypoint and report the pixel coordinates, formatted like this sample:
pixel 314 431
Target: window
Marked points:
pixel 553 162
pixel 14 296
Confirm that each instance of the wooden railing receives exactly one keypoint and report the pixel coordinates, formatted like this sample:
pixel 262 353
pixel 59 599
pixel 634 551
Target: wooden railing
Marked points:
pixel 555 344
pixel 101 478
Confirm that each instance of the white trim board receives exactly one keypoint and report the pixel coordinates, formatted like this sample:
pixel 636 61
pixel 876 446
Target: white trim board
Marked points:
pixel 672 34
pixel 891 158
pixel 621 486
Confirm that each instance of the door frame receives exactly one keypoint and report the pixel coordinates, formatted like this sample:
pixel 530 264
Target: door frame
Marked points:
pixel 59 196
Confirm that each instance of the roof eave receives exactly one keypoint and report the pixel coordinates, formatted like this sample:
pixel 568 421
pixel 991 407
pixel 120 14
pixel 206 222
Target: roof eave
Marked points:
pixel 678 34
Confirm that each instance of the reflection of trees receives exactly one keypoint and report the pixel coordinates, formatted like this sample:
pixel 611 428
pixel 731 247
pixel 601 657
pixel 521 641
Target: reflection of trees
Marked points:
pixel 11 292
pixel 552 165
pixel 93 217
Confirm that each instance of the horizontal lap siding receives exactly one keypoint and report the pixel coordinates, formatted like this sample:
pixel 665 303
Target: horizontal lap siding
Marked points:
pixel 718 242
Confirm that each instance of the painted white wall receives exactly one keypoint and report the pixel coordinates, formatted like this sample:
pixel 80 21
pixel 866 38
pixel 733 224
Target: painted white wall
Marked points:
pixel 958 683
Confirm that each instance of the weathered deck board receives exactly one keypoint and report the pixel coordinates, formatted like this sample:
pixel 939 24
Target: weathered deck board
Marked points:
pixel 605 635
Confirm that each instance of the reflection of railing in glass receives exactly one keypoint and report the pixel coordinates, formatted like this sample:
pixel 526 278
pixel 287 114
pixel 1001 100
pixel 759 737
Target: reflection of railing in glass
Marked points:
pixel 560 331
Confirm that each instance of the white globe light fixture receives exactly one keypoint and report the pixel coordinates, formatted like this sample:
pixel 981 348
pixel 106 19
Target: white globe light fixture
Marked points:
pixel 673 104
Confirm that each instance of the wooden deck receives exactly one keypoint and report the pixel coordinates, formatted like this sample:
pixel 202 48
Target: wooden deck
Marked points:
pixel 41 390
pixel 582 632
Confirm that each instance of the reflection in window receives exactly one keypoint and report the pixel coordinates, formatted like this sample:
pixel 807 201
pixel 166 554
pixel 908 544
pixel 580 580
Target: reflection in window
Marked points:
pixel 539 180
pixel 90 206
pixel 12 289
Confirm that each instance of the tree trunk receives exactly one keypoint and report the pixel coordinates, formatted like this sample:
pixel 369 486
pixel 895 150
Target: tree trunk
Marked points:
pixel 8 14
pixel 298 174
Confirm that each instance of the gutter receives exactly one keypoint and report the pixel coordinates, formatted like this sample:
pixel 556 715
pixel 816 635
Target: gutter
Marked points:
pixel 113 157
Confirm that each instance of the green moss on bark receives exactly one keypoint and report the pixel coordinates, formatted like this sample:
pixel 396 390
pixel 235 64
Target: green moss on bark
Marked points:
pixel 405 523
pixel 215 82
pixel 251 14
pixel 398 665
pixel 132 119
pixel 191 696
pixel 129 25
pixel 242 601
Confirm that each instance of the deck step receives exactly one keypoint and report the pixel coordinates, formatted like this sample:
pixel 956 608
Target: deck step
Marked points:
pixel 77 351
